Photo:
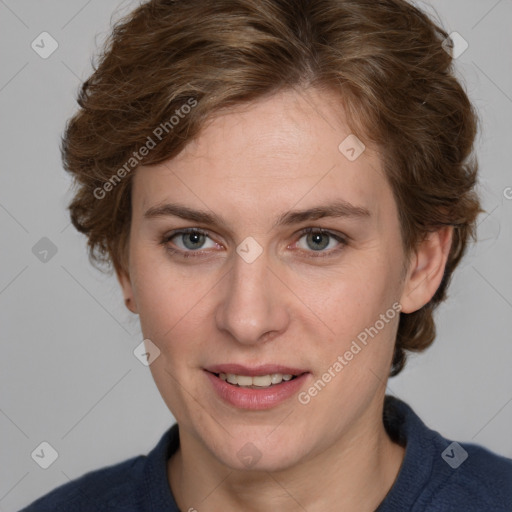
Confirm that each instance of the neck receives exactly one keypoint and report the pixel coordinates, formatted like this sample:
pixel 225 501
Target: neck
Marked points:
pixel 354 474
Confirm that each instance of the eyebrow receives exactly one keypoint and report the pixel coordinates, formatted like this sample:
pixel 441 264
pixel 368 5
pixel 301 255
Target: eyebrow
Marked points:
pixel 337 209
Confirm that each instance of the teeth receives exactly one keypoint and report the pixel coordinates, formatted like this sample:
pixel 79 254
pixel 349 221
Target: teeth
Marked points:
pixel 276 378
pixel 242 380
pixel 230 378
pixel 261 381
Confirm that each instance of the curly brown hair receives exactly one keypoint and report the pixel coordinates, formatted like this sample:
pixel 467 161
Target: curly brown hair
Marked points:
pixel 388 61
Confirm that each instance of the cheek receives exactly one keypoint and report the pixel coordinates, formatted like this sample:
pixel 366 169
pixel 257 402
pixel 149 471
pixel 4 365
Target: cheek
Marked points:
pixel 350 305
pixel 172 302
pixel 160 300
pixel 355 361
pixel 351 298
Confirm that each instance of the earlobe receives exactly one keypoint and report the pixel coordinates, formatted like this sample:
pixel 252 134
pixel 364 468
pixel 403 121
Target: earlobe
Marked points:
pixel 126 287
pixel 426 269
pixel 128 302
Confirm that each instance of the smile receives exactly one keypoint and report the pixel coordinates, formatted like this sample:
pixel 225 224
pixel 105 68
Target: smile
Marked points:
pixel 258 388
pixel 260 381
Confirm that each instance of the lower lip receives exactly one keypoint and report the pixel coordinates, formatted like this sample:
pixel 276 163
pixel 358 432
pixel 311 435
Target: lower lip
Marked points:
pixel 256 399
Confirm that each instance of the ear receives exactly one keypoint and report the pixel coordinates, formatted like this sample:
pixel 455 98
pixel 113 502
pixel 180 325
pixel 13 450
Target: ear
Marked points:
pixel 126 286
pixel 426 269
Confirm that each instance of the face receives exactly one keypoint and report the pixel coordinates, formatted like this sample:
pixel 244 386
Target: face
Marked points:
pixel 262 250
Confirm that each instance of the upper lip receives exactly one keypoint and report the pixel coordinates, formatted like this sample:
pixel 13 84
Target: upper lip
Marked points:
pixel 254 371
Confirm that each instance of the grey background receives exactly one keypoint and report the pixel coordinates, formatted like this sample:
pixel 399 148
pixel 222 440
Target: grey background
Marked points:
pixel 68 375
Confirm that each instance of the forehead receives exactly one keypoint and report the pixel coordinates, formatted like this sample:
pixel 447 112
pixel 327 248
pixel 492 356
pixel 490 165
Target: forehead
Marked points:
pixel 285 150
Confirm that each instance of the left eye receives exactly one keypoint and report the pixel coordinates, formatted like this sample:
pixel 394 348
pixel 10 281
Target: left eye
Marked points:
pixel 317 240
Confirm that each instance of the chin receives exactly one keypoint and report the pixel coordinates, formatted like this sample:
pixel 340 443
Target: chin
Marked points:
pixel 258 452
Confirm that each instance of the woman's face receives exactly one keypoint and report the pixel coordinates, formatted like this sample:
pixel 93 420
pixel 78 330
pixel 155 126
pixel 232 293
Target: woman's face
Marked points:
pixel 248 291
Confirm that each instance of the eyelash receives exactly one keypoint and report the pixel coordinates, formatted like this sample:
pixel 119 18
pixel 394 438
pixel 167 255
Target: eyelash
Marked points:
pixel 342 240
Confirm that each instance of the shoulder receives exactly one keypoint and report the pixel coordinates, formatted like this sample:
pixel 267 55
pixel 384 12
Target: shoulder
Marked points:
pixel 440 474
pixel 473 476
pixel 128 486
pixel 111 488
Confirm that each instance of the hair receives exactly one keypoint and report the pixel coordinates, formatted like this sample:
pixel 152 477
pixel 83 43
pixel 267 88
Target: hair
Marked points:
pixel 390 64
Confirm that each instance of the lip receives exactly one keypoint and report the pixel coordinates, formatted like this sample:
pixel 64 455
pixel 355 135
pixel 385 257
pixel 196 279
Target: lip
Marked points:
pixel 256 399
pixel 254 371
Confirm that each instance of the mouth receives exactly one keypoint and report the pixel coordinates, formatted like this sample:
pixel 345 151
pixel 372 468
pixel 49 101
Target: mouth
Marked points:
pixel 255 382
pixel 261 387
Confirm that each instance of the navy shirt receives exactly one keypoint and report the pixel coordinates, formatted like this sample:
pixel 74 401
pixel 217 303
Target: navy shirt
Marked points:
pixel 436 475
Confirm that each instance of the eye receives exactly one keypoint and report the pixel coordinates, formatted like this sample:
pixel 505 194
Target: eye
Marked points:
pixel 320 241
pixel 189 240
pixel 196 242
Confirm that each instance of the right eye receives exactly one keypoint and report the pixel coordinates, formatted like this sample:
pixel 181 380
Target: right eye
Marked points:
pixel 188 241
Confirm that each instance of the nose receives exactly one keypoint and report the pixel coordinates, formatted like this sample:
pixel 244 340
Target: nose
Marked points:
pixel 252 306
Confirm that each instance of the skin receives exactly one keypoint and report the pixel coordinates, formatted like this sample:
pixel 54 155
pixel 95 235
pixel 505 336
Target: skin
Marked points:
pixel 295 305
